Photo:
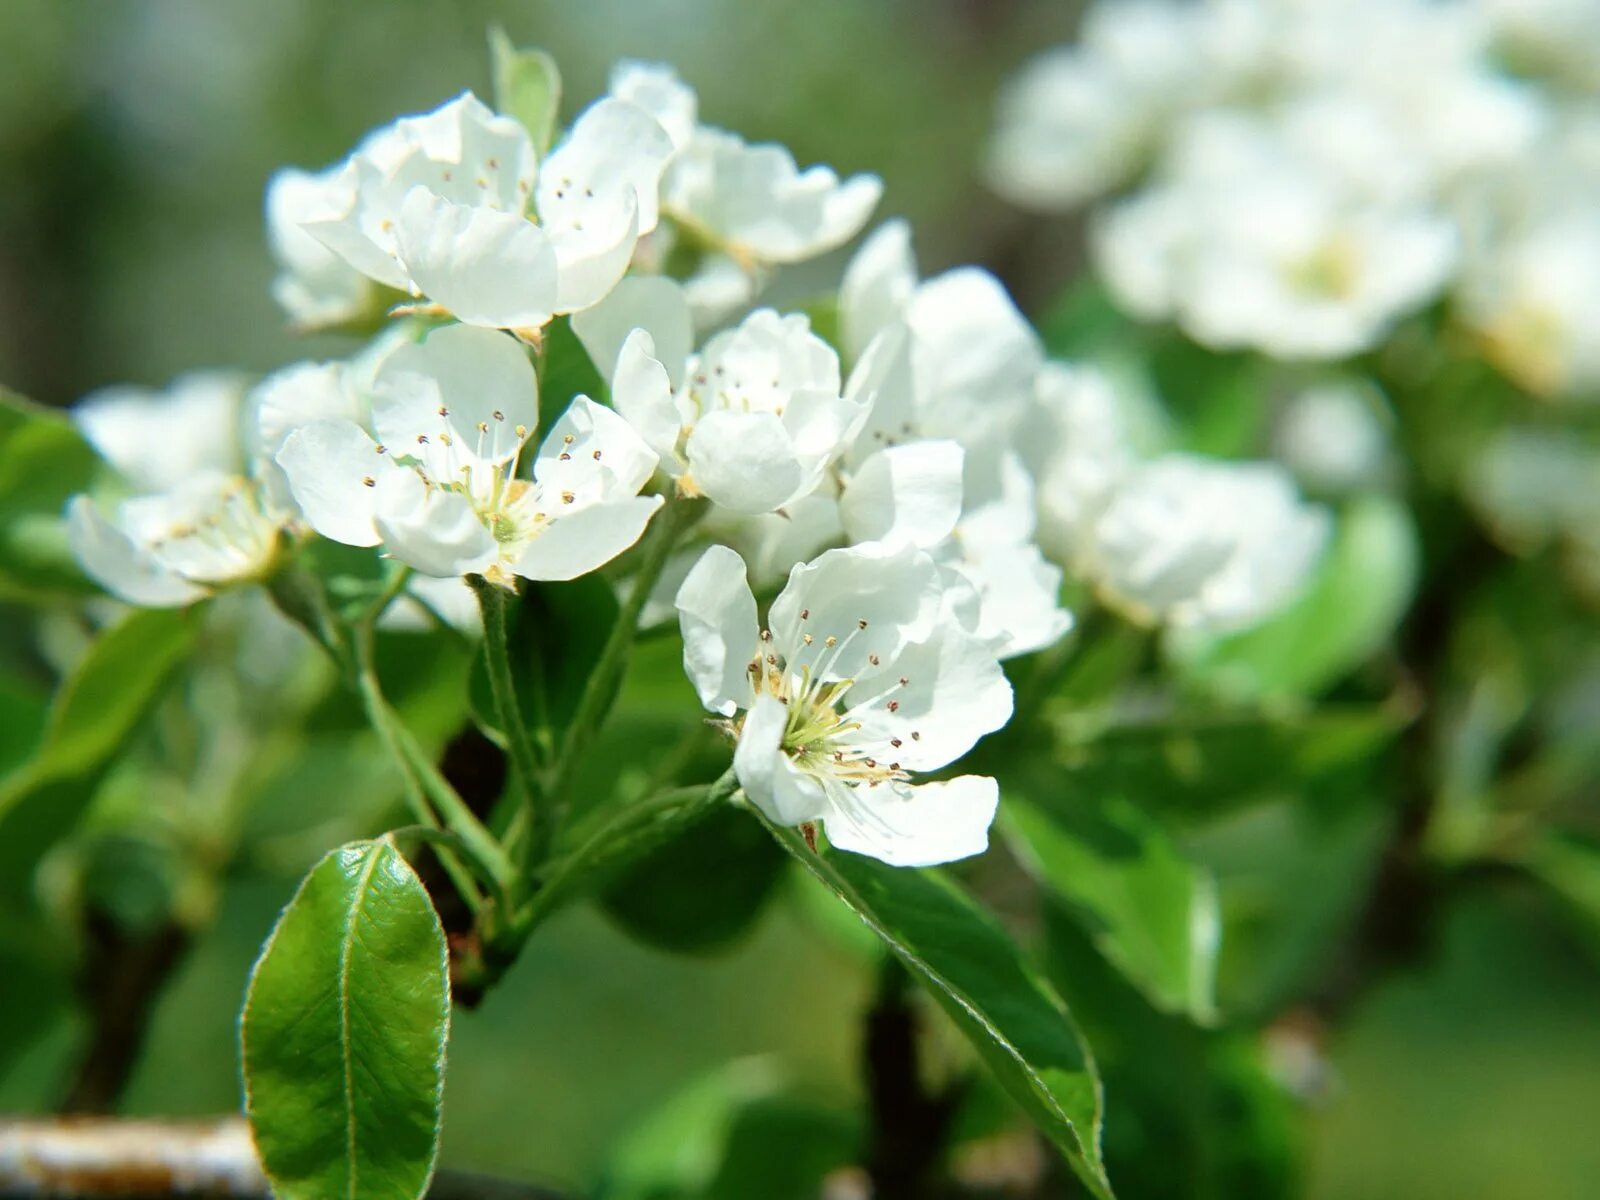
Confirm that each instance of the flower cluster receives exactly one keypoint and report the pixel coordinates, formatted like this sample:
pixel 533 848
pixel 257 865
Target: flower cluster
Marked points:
pixel 893 480
pixel 1293 176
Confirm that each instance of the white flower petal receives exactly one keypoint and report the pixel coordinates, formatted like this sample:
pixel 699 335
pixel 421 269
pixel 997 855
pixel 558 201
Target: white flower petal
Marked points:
pixel 594 454
pixel 656 88
pixel 914 826
pixel 470 392
pixel 905 495
pixel 109 557
pixel 871 602
pixel 642 393
pixel 615 149
pixel 653 303
pixel 485 266
pixel 772 783
pixel 586 540
pixel 158 438
pixel 877 286
pixel 437 532
pixel 744 460
pixel 755 200
pixel 592 259
pixel 329 464
pixel 717 614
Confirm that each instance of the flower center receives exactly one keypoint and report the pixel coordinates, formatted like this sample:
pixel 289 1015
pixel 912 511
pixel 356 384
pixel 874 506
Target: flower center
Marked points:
pixel 823 734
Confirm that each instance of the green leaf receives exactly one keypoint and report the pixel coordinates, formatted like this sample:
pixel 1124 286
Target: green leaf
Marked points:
pixel 527 86
pixel 43 462
pixel 565 371
pixel 344 1030
pixel 1149 910
pixel 1195 1111
pixel 1195 767
pixel 1570 867
pixel 975 972
pixel 1350 611
pixel 733 1134
pixel 701 891
pixel 93 714
pixel 556 635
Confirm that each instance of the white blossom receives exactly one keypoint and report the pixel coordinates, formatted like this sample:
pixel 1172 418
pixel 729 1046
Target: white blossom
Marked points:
pixel 198 521
pixel 315 286
pixel 751 421
pixel 1333 436
pixel 1203 544
pixel 859 682
pixel 438 486
pixel 453 206
pixel 755 204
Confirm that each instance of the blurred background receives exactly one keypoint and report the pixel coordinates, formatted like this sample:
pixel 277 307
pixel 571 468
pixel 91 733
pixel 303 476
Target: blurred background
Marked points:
pixel 135 141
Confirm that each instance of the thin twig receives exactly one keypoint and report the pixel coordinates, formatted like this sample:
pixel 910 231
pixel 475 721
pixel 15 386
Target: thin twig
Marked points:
pixel 85 1159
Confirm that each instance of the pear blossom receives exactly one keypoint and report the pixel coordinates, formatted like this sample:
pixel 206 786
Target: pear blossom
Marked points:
pixel 1333 435
pixel 751 421
pixel 452 205
pixel 755 204
pixel 859 682
pixel 314 286
pixel 198 521
pixel 1202 544
pixel 438 485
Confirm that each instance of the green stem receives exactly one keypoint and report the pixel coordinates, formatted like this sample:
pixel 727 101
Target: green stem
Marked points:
pixel 626 835
pixel 536 828
pixel 674 520
pixel 430 793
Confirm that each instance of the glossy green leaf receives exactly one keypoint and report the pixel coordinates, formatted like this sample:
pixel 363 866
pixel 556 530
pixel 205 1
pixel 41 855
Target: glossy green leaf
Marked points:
pixel 1194 1112
pixel 43 462
pixel 977 974
pixel 1350 611
pixel 527 86
pixel 93 714
pixel 344 1030
pixel 701 891
pixel 1148 909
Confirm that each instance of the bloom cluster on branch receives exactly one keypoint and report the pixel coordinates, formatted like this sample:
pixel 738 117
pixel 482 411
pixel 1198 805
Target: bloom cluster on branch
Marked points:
pixel 1294 177
pixel 885 465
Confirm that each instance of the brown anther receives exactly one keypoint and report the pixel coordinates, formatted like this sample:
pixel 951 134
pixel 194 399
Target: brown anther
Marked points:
pixel 381 449
pixel 483 427
pixel 894 706
pixel 805 614
pixel 564 457
pixel 830 641
pixel 567 497
pixel 595 456
pixel 904 681
pixel 766 635
pixel 422 439
pixel 915 736
pixel 498 415
pixel 492 163
pixel 896 743
pixel 872 763
pixel 873 659
pixel 443 411
pixel 862 623
pixel 894 766
pixel 369 481
pixel 807 638
pixel 568 439
pixel 772 660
